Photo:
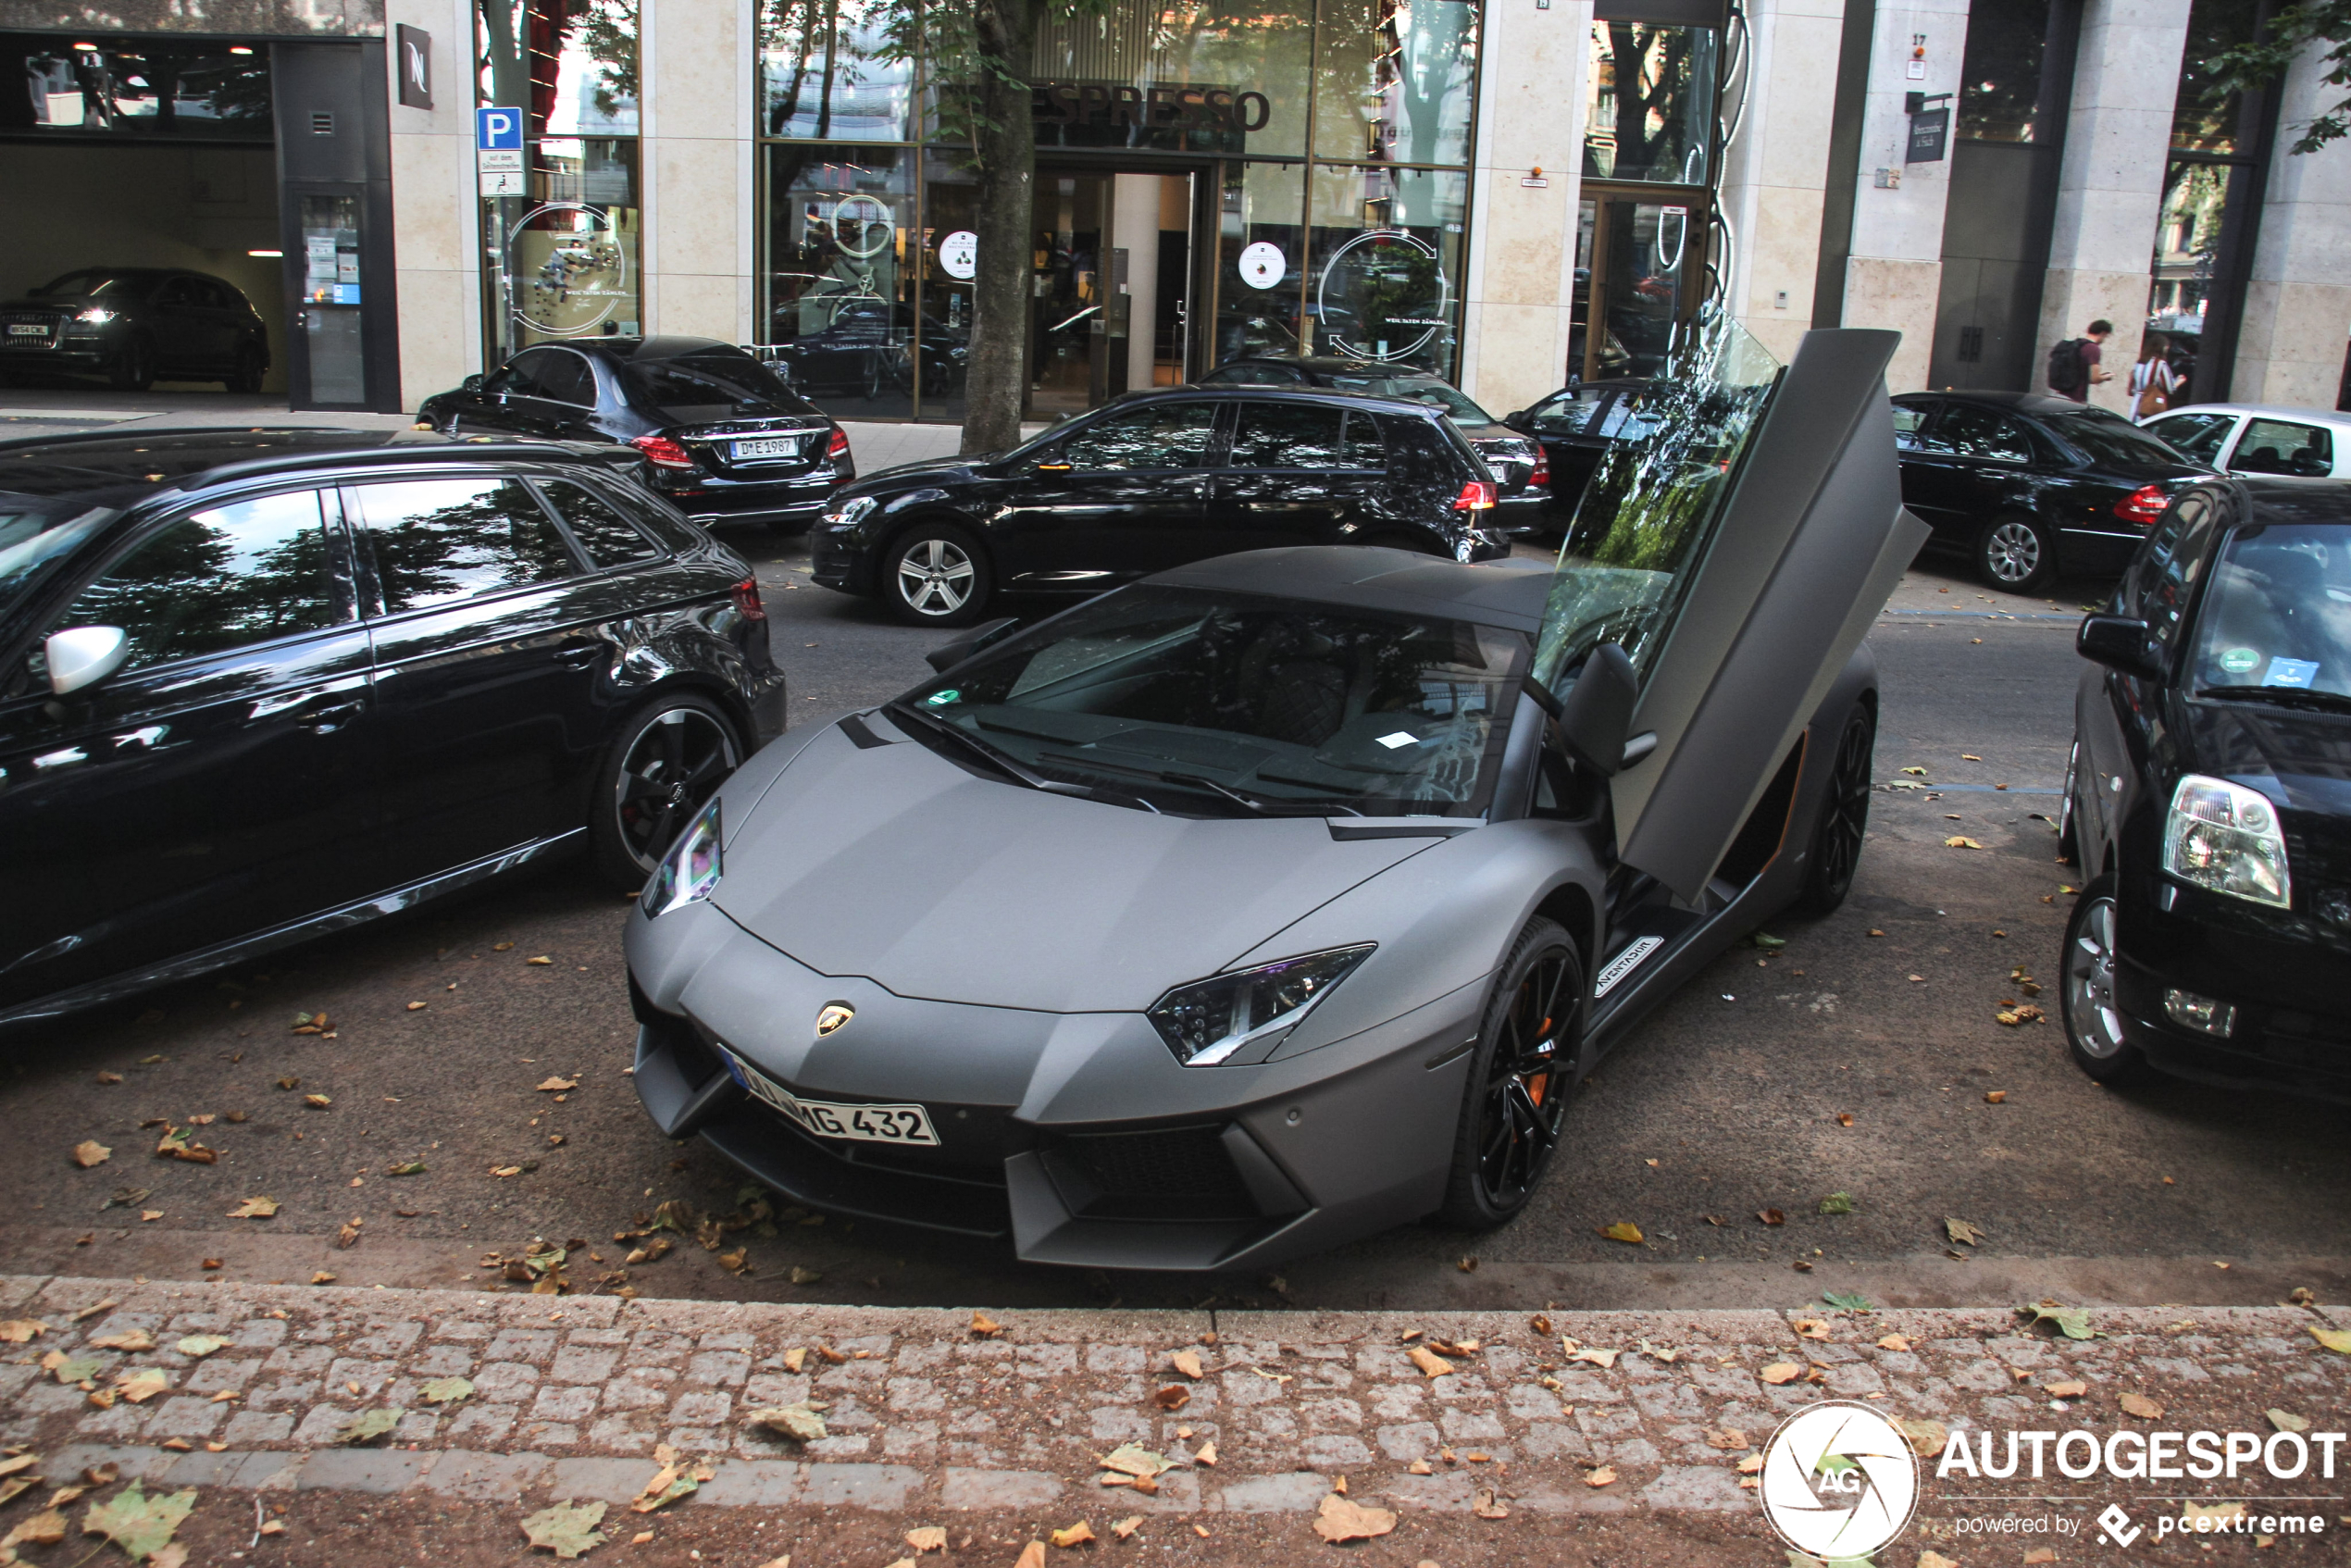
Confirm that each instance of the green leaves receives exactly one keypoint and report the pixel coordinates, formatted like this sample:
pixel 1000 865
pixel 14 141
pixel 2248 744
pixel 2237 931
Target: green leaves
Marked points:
pixel 199 1346
pixel 799 1422
pixel 412 1167
pixel 1846 1300
pixel 2335 1340
pixel 138 1524
pixel 2072 1321
pixel 569 1529
pixel 447 1391
pixel 366 1428
pixel 1836 1203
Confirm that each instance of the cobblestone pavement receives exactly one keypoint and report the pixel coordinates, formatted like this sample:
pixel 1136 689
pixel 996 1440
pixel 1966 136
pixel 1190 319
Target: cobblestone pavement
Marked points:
pixel 1450 1422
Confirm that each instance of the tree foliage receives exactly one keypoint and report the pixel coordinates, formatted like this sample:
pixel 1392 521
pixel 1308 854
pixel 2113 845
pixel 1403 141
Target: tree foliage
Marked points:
pixel 2264 60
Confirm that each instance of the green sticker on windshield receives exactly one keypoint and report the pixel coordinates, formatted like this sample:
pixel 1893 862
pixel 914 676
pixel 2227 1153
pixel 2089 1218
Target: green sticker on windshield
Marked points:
pixel 2240 661
pixel 940 698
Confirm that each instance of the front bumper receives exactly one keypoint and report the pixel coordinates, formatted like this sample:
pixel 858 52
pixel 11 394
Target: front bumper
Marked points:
pixel 1078 1136
pixel 834 560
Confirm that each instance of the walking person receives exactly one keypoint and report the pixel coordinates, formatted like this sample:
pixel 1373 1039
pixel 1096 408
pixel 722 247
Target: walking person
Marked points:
pixel 2153 381
pixel 2073 365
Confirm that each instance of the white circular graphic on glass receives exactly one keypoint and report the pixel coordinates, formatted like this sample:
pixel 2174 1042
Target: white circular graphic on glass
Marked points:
pixel 1383 296
pixel 959 255
pixel 1263 263
pixel 1839 1480
pixel 861 227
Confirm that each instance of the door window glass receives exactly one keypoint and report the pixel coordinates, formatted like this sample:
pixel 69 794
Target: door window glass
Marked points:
pixel 2281 446
pixel 565 377
pixel 1261 254
pixel 1649 103
pixel 1909 420
pixel 1287 435
pixel 1173 435
pixel 1967 432
pixel 607 537
pixel 1362 446
pixel 2199 436
pixel 221 580
pixel 179 290
pixel 1635 263
pixel 439 540
pixel 523 376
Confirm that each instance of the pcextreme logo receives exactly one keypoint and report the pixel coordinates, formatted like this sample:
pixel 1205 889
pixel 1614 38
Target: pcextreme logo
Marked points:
pixel 1839 1481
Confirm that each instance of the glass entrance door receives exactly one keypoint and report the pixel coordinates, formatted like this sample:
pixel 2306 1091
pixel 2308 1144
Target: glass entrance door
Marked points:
pixel 331 355
pixel 1640 264
pixel 1110 291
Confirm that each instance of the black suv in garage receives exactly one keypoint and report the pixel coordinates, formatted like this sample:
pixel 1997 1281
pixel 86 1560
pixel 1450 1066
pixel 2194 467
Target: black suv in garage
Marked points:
pixel 134 325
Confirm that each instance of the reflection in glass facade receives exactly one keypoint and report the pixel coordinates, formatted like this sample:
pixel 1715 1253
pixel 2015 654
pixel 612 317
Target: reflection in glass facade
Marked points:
pixel 1649 113
pixel 840 293
pixel 824 72
pixel 1396 79
pixel 204 90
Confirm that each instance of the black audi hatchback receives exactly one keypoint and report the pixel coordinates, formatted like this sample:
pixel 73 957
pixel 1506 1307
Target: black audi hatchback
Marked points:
pixel 723 437
pixel 257 686
pixel 2210 799
pixel 2027 487
pixel 1157 480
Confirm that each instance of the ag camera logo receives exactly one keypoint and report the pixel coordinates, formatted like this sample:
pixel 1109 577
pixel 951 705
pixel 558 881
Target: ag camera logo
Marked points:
pixel 1839 1480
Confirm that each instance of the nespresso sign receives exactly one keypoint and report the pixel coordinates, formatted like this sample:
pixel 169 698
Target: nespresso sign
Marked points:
pixel 1149 108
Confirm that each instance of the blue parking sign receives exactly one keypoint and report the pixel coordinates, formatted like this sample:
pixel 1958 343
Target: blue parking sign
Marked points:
pixel 498 129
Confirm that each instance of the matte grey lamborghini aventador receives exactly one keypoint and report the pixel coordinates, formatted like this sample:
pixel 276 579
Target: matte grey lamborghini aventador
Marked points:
pixel 1276 900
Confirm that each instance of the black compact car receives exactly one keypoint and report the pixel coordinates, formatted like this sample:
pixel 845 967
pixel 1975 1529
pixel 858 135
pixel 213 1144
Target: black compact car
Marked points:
pixel 2209 799
pixel 861 354
pixel 257 686
pixel 133 325
pixel 2027 486
pixel 1157 480
pixel 1578 427
pixel 724 438
pixel 1521 474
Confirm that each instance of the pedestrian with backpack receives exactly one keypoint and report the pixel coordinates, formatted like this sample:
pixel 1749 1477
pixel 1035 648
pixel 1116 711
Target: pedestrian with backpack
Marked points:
pixel 2073 364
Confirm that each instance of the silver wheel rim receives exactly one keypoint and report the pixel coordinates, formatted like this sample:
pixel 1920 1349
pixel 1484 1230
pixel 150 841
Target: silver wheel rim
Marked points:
pixel 2013 551
pixel 2089 985
pixel 934 578
pixel 671 769
pixel 2065 810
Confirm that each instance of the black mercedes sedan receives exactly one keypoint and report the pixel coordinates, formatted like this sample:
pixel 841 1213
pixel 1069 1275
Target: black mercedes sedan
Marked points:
pixel 2210 799
pixel 1578 427
pixel 2027 487
pixel 134 325
pixel 723 437
pixel 1156 479
pixel 260 685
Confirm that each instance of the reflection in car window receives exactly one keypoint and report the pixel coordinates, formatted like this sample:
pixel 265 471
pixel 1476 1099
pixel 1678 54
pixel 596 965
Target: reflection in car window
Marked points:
pixel 1168 435
pixel 2170 578
pixel 93 282
pixel 2108 438
pixel 1255 375
pixel 608 537
pixel 439 540
pixel 1427 391
pixel 2198 436
pixel 1289 435
pixel 1908 421
pixel 565 377
pixel 2282 446
pixel 2278 614
pixel 1567 414
pixel 1286 701
pixel 221 580
pixel 1966 431
pixel 713 385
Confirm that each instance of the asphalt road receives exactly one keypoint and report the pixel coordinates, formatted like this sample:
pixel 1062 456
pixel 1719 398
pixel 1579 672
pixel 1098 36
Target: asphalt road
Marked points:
pixel 1729 1101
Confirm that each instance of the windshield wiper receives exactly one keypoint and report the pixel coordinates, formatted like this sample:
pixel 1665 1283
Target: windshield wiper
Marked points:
pixel 1262 805
pixel 2286 696
pixel 1011 765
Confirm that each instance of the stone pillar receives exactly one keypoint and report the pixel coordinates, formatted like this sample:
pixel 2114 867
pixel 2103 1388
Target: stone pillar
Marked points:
pixel 436 207
pixel 1522 242
pixel 1893 273
pixel 2298 311
pixel 697 162
pixel 1133 227
pixel 1776 170
pixel 2118 139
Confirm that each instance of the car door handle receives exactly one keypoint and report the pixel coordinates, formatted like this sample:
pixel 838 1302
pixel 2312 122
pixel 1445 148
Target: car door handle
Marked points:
pixel 327 720
pixel 580 656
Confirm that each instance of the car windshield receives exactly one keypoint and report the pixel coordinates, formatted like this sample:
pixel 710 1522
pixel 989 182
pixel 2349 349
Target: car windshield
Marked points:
pixel 709 386
pixel 1195 699
pixel 1427 391
pixel 36 530
pixel 2108 438
pixel 93 282
pixel 2277 617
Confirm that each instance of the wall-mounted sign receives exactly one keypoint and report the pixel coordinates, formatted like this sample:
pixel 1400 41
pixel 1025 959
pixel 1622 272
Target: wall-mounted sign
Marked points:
pixel 1149 108
pixel 959 255
pixel 414 46
pixel 498 129
pixel 1930 127
pixel 1262 265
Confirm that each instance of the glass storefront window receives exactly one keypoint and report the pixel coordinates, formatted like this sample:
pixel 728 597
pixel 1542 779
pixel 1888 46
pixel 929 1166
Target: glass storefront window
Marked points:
pixel 1214 76
pixel 1649 113
pixel 1384 265
pixel 1635 259
pixel 2204 115
pixel 571 63
pixel 839 296
pixel 2187 241
pixel 1395 79
pixel 1260 259
pixel 2000 74
pixel 947 265
pixel 827 70
pixel 207 90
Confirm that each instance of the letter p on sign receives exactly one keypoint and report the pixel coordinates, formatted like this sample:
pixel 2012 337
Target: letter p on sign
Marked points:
pixel 498 129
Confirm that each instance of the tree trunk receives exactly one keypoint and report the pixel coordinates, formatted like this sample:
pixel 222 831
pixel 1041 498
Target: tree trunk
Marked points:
pixel 1004 139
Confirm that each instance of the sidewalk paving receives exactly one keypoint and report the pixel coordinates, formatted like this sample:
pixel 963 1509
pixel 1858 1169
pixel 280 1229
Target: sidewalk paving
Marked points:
pixel 1495 1450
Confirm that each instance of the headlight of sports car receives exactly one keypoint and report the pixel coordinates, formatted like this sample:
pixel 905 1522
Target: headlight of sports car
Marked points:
pixel 1238 1019
pixel 2225 837
pixel 690 872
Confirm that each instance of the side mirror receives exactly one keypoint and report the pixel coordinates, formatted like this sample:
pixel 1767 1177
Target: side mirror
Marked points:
pixel 85 655
pixel 1055 466
pixel 472 383
pixel 1597 713
pixel 2120 643
pixel 948 655
pixel 1515 419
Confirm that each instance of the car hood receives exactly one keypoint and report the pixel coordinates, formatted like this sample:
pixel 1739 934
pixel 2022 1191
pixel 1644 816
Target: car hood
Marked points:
pixel 910 475
pixel 889 862
pixel 2304 756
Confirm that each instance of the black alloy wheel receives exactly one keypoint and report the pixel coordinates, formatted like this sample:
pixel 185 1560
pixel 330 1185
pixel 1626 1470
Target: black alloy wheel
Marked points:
pixel 134 364
pixel 1520 1075
pixel 1844 821
pixel 2016 552
pixel 245 375
pixel 669 759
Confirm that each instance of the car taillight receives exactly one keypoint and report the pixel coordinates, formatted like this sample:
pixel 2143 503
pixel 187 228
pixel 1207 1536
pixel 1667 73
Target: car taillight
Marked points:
pixel 747 600
pixel 839 447
pixel 2142 505
pixel 663 453
pixel 1477 495
pixel 1542 474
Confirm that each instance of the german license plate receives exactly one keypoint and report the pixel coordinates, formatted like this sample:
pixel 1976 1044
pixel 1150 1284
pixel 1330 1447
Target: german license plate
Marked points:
pixel 781 446
pixel 27 330
pixel 864 1124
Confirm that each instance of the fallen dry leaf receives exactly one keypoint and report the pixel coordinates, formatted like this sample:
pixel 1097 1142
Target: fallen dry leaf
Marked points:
pixel 1207 1455
pixel 1926 1438
pixel 255 1209
pixel 1963 1233
pixel 1485 1506
pixel 1032 1556
pixel 1729 1439
pixel 1603 1477
pixel 986 1326
pixel 21 1330
pixel 1429 1361
pixel 2140 1406
pixel 1187 1362
pixel 128 1339
pixel 1894 1342
pixel 556 1086
pixel 1770 1216
pixel 1996 1096
pixel 1751 1464
pixel 928 1537
pixel 1960 841
pixel 1624 1231
pixel 2286 1420
pixel 1077 1535
pixel 1781 1371
pixel 1340 1520
pixel 1127 1525
pixel 317 1101
pixel 2071 1388
pixel 1174 1396
pixel 1811 1328
pixel 541 959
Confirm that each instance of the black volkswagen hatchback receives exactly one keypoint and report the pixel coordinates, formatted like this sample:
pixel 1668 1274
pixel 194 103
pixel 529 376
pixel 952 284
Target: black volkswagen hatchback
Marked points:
pixel 2027 487
pixel 724 437
pixel 2210 799
pixel 259 685
pixel 1151 481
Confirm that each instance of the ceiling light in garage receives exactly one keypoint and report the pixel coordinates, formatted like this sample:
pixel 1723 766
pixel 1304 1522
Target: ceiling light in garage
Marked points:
pixel 239 49
pixel 271 256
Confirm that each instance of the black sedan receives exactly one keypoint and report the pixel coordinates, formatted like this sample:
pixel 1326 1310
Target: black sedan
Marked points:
pixel 1578 427
pixel 2210 799
pixel 1522 473
pixel 257 686
pixel 133 325
pixel 1157 480
pixel 726 439
pixel 2027 487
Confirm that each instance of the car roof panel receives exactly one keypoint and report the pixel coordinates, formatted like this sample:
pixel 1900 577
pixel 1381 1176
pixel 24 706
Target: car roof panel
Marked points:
pixel 1509 594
